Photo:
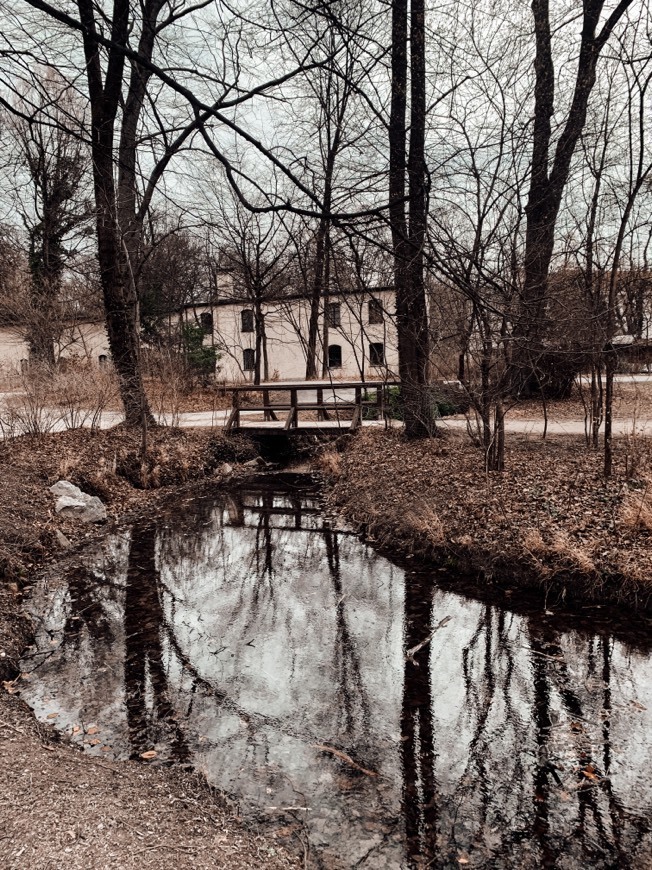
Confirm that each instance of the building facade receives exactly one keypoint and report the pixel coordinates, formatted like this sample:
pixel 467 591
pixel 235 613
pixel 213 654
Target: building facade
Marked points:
pixel 356 338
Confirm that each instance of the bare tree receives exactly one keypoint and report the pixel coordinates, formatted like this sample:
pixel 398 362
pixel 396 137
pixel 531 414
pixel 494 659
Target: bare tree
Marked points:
pixel 54 159
pixel 407 186
pixel 257 253
pixel 548 177
pixel 476 218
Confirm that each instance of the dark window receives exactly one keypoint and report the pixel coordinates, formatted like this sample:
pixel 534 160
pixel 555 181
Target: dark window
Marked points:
pixel 24 365
pixel 247 320
pixel 334 356
pixel 375 311
pixel 333 314
pixel 206 320
pixel 102 359
pixel 248 359
pixel 377 353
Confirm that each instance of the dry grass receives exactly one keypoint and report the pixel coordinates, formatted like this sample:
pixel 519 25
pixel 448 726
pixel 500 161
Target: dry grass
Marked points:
pixel 426 523
pixel 329 463
pixel 636 510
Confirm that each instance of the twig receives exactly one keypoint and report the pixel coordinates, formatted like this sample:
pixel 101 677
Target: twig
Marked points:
pixel 13 728
pixel 409 655
pixel 344 757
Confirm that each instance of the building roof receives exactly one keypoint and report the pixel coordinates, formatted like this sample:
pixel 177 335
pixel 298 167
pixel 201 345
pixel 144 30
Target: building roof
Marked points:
pixel 294 297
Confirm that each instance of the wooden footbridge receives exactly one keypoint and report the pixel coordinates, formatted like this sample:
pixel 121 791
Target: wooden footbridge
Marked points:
pixel 331 405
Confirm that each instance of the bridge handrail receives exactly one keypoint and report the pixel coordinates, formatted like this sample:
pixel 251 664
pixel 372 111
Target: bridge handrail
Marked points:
pixel 322 407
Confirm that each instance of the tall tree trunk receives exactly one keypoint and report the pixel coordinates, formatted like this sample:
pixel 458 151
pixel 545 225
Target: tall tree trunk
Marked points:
pixel 119 294
pixel 325 325
pixel 259 325
pixel 118 285
pixel 407 241
pixel 46 268
pixel 316 301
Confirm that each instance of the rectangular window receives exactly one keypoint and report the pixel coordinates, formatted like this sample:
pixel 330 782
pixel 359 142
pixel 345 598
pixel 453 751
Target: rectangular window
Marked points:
pixel 334 356
pixel 206 320
pixel 377 353
pixel 333 314
pixel 248 359
pixel 375 312
pixel 246 320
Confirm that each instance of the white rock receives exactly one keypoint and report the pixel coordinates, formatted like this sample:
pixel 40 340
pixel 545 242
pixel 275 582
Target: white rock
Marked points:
pixel 226 469
pixel 65 487
pixel 72 502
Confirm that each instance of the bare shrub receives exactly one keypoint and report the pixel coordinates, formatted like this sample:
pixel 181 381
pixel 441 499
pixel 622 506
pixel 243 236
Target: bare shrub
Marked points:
pixel 30 410
pixel 82 393
pixel 636 510
pixel 44 400
pixel 169 383
pixel 636 450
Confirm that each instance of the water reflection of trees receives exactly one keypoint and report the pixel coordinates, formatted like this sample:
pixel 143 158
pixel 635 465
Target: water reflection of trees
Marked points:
pixel 273 517
pixel 520 774
pixel 150 715
pixel 535 787
pixel 604 829
pixel 420 789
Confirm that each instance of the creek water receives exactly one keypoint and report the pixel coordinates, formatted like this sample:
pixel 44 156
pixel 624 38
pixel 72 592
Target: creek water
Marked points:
pixel 244 634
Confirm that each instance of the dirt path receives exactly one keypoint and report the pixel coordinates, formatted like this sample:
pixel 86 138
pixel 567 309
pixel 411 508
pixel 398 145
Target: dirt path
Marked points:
pixel 61 809
pixel 555 426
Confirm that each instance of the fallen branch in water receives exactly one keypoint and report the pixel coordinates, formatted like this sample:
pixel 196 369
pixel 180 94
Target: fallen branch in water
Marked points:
pixel 410 654
pixel 344 757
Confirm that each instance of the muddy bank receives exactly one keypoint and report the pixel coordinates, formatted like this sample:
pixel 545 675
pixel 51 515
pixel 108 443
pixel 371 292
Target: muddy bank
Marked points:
pixel 58 806
pixel 550 522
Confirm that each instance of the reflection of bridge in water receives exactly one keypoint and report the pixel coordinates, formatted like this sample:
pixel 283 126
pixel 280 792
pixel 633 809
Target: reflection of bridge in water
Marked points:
pixel 254 504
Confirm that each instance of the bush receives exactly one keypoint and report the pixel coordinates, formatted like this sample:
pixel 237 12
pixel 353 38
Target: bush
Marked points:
pixel 73 396
pixel 447 399
pixel 201 358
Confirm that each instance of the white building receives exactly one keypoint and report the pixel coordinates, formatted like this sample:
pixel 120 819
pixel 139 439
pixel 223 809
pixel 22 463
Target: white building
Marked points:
pixel 84 341
pixel 357 337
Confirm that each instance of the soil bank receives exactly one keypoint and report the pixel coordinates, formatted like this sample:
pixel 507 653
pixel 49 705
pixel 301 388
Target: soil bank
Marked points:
pixel 549 521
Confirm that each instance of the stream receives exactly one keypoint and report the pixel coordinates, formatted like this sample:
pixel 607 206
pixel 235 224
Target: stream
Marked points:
pixel 248 635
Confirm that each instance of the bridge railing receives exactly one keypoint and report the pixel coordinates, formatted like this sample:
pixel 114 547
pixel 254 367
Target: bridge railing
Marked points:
pixel 328 401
